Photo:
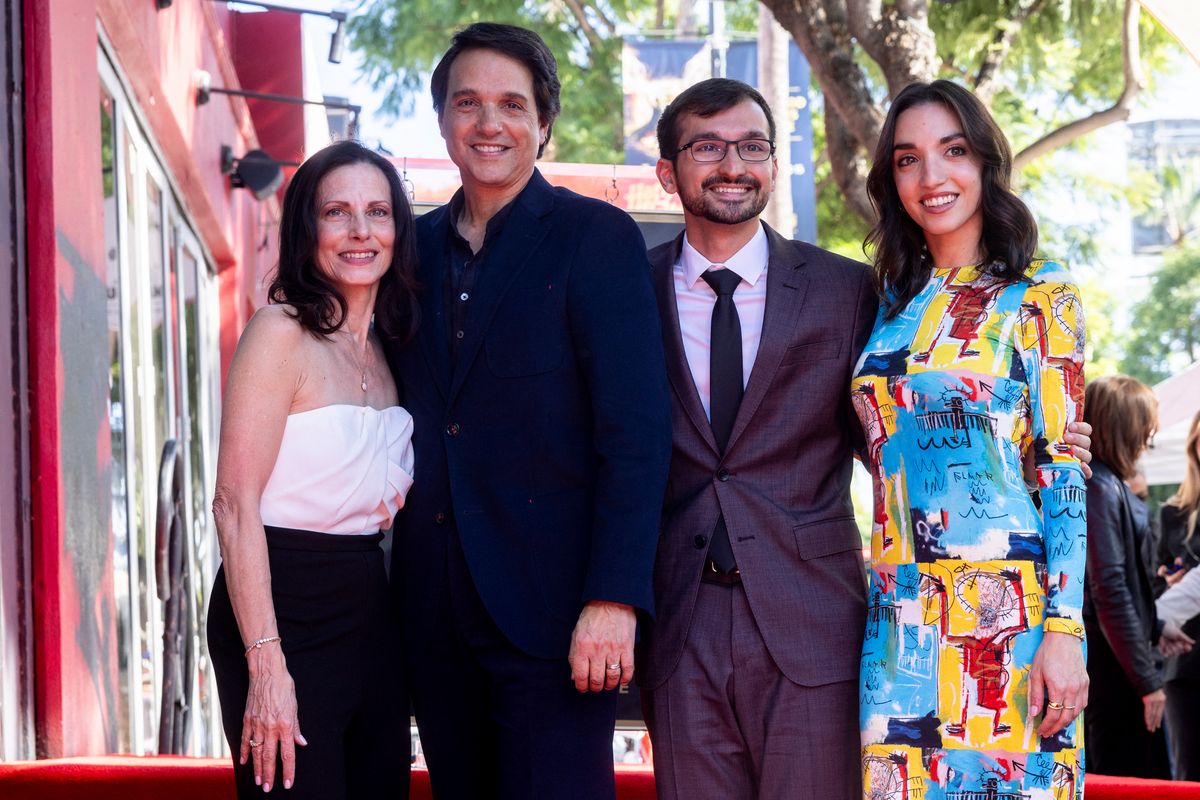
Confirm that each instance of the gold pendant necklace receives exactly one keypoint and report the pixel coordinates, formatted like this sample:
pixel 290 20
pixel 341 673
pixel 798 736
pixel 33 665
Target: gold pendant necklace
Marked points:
pixel 359 363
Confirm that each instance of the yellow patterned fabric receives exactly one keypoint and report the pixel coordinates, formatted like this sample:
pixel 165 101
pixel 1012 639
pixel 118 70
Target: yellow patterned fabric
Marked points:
pixel 967 571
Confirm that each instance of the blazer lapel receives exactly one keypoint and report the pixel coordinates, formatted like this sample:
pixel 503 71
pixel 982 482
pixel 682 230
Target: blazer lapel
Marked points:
pixel 431 270
pixel 523 232
pixel 678 371
pixel 787 285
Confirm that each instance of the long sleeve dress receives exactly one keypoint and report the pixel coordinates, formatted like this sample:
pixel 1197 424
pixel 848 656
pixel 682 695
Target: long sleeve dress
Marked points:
pixel 966 570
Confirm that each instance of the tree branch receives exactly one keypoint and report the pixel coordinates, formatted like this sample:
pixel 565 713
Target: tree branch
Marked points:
pixel 820 28
pixel 1119 111
pixel 584 24
pixel 608 24
pixel 847 165
pixel 1002 39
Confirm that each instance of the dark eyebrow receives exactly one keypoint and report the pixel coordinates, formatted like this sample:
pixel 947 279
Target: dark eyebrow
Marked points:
pixel 950 137
pixel 467 91
pixel 753 134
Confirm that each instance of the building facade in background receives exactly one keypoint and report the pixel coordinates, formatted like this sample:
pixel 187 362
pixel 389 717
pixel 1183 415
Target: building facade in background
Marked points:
pixel 129 266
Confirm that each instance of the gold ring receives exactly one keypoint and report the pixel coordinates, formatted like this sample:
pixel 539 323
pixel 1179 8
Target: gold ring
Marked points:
pixel 1056 706
pixel 1069 708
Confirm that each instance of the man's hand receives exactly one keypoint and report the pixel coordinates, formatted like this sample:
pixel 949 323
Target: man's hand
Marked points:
pixel 602 646
pixel 1173 641
pixel 1079 436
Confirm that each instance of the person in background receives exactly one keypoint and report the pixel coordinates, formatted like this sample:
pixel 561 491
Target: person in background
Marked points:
pixel 1124 732
pixel 1179 552
pixel 315 460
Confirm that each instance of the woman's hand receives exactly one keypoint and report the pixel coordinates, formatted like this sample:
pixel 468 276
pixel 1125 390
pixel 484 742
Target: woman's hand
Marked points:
pixel 1173 575
pixel 1058 682
pixel 1152 706
pixel 1173 641
pixel 270 725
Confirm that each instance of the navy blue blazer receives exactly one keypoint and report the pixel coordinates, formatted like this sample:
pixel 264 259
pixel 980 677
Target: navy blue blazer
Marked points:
pixel 547 440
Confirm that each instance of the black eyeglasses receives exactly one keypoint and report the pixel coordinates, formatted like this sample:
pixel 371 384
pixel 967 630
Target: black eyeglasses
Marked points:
pixel 707 151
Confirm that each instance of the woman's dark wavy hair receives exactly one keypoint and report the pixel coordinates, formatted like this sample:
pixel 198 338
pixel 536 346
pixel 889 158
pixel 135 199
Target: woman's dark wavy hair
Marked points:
pixel 1010 236
pixel 319 307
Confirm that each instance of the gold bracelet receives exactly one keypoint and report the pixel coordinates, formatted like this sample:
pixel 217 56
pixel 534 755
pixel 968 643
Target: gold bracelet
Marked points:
pixel 258 643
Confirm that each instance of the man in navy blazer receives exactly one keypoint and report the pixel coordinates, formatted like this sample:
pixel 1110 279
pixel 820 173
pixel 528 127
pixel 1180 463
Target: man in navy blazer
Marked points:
pixel 542 434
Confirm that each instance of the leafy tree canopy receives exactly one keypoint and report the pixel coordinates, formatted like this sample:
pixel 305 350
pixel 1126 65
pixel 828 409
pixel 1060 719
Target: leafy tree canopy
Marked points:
pixel 1165 334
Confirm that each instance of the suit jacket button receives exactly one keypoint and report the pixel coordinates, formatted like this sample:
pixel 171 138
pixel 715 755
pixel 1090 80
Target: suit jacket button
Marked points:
pixel 439 518
pixel 700 541
pixel 452 429
pixel 722 474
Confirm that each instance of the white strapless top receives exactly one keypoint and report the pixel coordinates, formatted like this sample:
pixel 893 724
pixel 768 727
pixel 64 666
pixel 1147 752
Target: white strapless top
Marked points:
pixel 341 469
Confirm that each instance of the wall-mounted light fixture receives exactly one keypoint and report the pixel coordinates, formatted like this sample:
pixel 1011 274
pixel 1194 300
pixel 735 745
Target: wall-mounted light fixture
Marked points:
pixel 205 90
pixel 255 171
pixel 337 44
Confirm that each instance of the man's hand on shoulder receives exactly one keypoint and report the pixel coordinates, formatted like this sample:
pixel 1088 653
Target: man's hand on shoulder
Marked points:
pixel 601 655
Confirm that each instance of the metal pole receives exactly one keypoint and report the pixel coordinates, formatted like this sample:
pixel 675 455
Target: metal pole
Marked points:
pixel 716 36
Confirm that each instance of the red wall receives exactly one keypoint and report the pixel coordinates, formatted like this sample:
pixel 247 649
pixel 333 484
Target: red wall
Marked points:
pixel 158 52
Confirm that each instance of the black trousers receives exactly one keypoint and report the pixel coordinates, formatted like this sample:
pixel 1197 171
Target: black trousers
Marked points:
pixel 1117 741
pixel 1183 727
pixel 496 722
pixel 338 633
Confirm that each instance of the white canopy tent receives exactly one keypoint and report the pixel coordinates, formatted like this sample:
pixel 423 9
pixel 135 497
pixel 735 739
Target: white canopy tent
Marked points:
pixel 1181 18
pixel 1178 402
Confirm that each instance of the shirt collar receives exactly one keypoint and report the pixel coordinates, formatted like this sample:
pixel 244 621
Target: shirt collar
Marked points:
pixel 494 225
pixel 749 263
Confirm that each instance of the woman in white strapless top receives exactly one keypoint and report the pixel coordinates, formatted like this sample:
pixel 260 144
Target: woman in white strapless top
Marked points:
pixel 315 461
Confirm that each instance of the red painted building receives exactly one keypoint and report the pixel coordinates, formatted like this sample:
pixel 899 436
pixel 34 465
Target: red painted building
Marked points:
pixel 129 267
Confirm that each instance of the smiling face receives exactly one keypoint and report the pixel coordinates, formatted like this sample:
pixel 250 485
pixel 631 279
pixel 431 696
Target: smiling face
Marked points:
pixel 356 229
pixel 726 192
pixel 939 181
pixel 490 121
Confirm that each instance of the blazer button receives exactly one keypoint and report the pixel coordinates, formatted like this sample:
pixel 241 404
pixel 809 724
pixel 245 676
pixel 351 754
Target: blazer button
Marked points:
pixel 452 429
pixel 700 541
pixel 722 474
pixel 439 518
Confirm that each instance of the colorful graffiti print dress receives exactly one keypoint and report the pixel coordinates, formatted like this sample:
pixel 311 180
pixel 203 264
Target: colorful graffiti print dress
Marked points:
pixel 966 571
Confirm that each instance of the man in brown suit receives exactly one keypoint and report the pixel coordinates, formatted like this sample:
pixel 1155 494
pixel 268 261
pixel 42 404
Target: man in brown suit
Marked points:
pixel 750 670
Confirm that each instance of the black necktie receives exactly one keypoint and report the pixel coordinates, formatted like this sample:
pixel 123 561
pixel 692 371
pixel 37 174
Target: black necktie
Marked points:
pixel 725 387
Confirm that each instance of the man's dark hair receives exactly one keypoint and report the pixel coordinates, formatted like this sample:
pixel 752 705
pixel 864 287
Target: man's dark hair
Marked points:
pixel 298 280
pixel 1010 235
pixel 704 99
pixel 517 43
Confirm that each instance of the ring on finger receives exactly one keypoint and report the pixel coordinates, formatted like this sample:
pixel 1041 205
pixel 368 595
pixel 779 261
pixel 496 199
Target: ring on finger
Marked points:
pixel 614 667
pixel 1056 706
pixel 1069 708
pixel 253 743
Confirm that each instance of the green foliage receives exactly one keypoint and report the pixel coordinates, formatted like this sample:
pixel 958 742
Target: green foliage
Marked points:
pixel 1065 61
pixel 1165 334
pixel 401 40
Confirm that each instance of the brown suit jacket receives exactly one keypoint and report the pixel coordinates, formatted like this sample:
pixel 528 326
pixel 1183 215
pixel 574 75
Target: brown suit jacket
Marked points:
pixel 784 480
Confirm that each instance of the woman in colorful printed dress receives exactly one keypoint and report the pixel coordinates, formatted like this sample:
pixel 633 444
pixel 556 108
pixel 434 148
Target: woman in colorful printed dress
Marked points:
pixel 973 664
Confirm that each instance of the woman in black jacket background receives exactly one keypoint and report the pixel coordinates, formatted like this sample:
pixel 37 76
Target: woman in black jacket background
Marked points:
pixel 1179 548
pixel 1123 722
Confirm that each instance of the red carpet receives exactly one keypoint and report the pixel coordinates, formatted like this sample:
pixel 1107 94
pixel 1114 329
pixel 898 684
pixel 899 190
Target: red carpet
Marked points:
pixel 155 777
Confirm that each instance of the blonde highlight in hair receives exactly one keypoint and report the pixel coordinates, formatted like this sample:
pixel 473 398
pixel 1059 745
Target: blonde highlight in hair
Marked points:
pixel 1187 499
pixel 1123 413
